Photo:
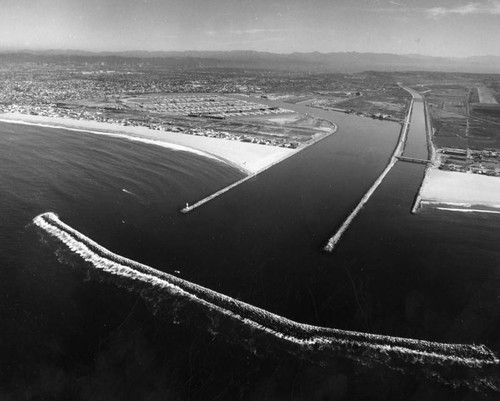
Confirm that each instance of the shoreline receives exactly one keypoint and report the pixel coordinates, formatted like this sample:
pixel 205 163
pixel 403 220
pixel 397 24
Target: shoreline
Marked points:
pixel 461 207
pixel 456 191
pixel 249 158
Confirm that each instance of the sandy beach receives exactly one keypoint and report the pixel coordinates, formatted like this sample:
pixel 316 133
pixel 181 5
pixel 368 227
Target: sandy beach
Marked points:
pixel 460 190
pixel 248 157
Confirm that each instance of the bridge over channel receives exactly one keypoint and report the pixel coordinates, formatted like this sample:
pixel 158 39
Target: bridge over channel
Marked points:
pixel 413 160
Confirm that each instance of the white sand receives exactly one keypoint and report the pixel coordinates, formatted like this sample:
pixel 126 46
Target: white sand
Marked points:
pixel 248 157
pixel 460 189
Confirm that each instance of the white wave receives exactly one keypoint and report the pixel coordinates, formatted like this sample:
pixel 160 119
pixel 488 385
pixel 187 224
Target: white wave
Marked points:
pixel 414 351
pixel 459 207
pixel 450 209
pixel 436 203
pixel 134 138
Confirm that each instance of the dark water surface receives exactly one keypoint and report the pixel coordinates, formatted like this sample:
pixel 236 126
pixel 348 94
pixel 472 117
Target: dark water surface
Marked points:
pixel 416 145
pixel 70 333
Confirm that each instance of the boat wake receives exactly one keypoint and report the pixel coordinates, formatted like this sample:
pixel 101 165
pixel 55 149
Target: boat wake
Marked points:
pixel 129 192
pixel 396 351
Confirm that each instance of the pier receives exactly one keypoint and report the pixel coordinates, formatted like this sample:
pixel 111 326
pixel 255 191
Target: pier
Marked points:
pixel 397 155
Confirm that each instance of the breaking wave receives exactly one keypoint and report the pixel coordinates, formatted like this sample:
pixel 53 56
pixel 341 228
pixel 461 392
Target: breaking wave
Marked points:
pixel 451 209
pixel 133 138
pixel 387 347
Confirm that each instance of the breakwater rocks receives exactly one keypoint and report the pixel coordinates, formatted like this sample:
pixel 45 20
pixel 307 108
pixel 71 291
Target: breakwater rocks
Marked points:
pixel 396 351
pixel 398 151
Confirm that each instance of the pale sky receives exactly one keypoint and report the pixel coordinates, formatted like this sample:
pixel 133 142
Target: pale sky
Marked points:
pixel 428 27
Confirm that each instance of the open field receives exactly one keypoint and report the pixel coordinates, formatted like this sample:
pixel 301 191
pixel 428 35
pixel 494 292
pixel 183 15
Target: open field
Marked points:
pixel 448 107
pixel 295 127
pixel 483 134
pixel 390 100
pixel 486 94
pixel 385 100
pixel 459 120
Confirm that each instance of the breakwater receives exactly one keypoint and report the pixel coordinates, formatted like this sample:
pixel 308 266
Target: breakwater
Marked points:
pixel 386 349
pixel 332 242
pixel 188 208
pixel 201 202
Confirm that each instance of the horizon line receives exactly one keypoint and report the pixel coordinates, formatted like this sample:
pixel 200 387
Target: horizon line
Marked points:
pixel 99 52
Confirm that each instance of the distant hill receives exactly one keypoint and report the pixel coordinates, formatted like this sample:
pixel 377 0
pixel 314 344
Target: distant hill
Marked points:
pixel 314 62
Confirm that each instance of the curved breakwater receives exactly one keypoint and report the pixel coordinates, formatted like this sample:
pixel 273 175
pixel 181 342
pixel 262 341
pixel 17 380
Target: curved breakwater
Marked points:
pixel 370 346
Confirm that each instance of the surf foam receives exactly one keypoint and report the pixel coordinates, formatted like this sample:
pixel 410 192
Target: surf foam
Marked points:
pixel 406 349
pixel 134 138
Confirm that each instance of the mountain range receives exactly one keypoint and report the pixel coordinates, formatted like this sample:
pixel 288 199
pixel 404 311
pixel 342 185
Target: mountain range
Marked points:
pixel 346 62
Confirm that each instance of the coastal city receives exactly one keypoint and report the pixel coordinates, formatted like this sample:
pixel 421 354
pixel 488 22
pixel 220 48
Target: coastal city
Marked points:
pixel 194 106
pixel 224 209
pixel 464 114
pixel 259 200
pixel 139 99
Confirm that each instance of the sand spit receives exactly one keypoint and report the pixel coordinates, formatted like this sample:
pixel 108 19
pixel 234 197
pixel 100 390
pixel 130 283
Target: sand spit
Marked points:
pixel 248 157
pixel 461 190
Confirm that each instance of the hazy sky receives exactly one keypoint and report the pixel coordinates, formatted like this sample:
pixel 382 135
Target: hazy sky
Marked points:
pixel 430 27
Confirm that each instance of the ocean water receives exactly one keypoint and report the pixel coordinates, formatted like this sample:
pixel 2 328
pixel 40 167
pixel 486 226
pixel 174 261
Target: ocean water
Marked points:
pixel 71 332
